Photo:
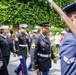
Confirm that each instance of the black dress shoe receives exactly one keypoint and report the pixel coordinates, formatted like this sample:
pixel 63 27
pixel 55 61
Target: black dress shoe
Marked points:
pixel 30 70
pixel 16 73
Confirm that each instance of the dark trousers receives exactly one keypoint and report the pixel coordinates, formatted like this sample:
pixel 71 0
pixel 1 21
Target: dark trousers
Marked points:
pixel 42 73
pixel 30 66
pixel 4 70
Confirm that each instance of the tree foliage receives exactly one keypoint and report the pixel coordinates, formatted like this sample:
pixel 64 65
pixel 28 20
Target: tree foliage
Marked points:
pixel 31 12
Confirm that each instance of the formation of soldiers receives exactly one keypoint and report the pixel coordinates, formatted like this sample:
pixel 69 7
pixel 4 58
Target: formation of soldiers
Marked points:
pixel 23 43
pixel 39 47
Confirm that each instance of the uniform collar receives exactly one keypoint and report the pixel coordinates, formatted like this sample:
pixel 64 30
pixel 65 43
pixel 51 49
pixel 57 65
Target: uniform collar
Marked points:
pixel 43 35
pixel 3 36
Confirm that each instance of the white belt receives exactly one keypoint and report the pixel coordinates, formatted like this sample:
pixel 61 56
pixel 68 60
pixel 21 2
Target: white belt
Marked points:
pixel 22 45
pixel 44 55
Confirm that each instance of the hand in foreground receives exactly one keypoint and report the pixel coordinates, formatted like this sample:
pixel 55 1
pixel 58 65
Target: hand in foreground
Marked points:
pixel 36 71
pixel 55 60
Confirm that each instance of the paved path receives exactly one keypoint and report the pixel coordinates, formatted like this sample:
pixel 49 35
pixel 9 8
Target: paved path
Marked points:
pixel 55 70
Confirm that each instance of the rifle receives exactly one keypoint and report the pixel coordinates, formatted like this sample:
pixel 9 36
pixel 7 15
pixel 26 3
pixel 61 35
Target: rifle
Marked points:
pixel 65 18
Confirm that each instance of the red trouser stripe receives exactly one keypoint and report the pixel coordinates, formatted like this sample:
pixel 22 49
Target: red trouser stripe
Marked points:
pixel 22 67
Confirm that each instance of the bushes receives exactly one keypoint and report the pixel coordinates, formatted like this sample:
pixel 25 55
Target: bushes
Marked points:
pixel 31 12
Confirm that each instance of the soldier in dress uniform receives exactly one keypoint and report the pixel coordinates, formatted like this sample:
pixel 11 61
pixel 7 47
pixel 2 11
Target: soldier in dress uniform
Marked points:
pixel 6 45
pixel 41 51
pixel 21 42
pixel 68 47
pixel 34 34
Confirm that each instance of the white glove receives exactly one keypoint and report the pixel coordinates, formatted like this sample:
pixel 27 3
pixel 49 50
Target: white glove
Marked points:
pixel 50 0
pixel 20 57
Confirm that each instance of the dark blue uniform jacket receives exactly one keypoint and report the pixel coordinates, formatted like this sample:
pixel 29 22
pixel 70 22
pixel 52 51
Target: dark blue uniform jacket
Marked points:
pixel 22 40
pixel 6 45
pixel 41 44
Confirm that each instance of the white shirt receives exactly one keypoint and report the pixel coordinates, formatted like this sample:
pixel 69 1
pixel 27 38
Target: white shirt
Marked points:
pixel 57 39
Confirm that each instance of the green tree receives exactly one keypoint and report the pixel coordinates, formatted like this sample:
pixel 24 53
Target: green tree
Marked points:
pixel 31 12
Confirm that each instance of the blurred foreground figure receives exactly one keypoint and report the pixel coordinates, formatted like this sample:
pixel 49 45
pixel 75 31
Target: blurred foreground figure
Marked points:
pixel 68 46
